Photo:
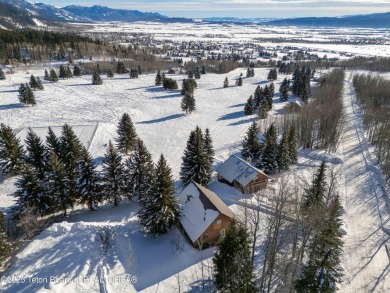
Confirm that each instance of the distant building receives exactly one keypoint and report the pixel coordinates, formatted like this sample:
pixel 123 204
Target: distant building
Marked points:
pixel 204 215
pixel 293 107
pixel 242 175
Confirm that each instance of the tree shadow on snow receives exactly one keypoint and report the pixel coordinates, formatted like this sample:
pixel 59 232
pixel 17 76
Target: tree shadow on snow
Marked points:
pixel 11 106
pixel 244 121
pixel 238 105
pixel 167 118
pixel 233 115
pixel 80 84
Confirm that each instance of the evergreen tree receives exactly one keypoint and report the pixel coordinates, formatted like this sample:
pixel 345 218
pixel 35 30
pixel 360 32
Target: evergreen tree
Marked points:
pixel 71 151
pixel 57 184
pixel 68 72
pixel 27 97
pixel 209 150
pixel 269 162
pixel 251 145
pixel 140 172
pixel 190 74
pixel 5 248
pixel 46 77
pixel 36 154
pixel 258 96
pixel 188 102
pixel 113 175
pixel 2 74
pixel 11 152
pixel 226 83
pixel 53 76
pixel 323 272
pixel 197 73
pixel 52 143
pixel 139 69
pixel 263 109
pixel 195 165
pixel 31 192
pixel 120 68
pixel 96 79
pixel 88 181
pixel 188 85
pixel 39 84
pixel 169 84
pixel 127 136
pixel 158 80
pixel 133 73
pixel 33 82
pixel 292 145
pixel 282 157
pixel 110 74
pixel 76 70
pixel 314 198
pixel 22 91
pixel 62 72
pixel 249 109
pixel 203 70
pixel 233 269
pixel 284 89
pixel 239 81
pixel 160 210
pixel 267 96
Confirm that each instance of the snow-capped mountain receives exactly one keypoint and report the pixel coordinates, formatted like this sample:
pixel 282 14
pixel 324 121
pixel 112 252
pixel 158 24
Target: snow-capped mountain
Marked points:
pixel 21 13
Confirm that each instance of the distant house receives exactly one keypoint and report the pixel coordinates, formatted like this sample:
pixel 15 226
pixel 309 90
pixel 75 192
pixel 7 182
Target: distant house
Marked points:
pixel 242 175
pixel 204 215
pixel 294 107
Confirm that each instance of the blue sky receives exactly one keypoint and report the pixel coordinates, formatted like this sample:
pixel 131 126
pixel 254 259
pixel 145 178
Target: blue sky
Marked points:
pixel 242 8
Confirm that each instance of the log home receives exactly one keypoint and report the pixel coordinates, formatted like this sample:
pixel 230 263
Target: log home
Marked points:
pixel 204 215
pixel 242 175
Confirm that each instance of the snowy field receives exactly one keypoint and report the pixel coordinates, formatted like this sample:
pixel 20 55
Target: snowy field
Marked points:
pixel 70 251
pixel 321 41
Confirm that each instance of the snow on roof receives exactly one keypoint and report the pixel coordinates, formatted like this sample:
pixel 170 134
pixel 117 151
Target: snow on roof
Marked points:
pixel 200 207
pixel 85 133
pixel 239 170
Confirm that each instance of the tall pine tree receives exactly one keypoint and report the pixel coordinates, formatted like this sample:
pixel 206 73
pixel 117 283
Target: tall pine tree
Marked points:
pixel 251 145
pixel 140 172
pixel 233 269
pixel 113 175
pixel 88 181
pixel 188 102
pixel 127 136
pixel 11 151
pixel 268 161
pixel 195 165
pixel 160 210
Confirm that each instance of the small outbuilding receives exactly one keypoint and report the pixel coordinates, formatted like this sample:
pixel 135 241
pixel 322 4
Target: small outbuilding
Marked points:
pixel 204 215
pixel 242 175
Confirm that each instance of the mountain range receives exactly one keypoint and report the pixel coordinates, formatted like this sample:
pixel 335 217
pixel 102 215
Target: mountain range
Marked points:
pixel 23 13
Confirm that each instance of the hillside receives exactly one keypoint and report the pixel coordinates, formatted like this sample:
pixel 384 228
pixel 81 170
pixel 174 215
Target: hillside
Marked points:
pixel 376 20
pixel 12 17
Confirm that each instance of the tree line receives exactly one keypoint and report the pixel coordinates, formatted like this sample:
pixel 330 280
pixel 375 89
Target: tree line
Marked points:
pixel 373 96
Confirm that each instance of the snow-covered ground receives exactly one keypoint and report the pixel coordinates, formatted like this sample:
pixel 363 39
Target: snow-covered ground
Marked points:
pixel 71 252
pixel 365 259
pixel 321 40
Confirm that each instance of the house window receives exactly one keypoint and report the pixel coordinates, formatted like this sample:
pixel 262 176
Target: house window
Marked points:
pixel 219 222
pixel 222 233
